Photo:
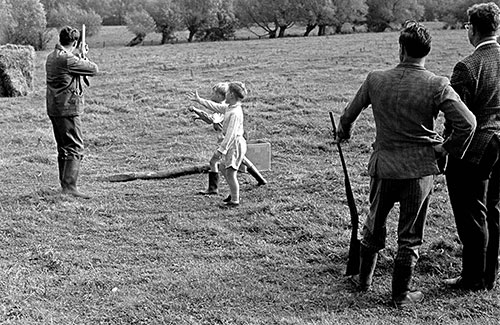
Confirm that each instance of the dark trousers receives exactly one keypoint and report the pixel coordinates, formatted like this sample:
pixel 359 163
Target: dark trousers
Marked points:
pixel 474 191
pixel 68 136
pixel 413 196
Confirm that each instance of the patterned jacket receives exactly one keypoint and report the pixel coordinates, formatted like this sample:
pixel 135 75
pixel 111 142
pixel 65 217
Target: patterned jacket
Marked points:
pixel 477 80
pixel 406 101
pixel 64 82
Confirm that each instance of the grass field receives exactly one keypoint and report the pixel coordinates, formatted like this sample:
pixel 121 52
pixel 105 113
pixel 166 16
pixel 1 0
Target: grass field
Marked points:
pixel 154 252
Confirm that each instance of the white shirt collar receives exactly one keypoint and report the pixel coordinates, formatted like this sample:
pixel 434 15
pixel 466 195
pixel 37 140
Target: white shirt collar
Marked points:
pixel 485 43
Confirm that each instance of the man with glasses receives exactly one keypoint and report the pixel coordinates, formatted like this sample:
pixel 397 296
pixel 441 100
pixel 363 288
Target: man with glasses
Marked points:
pixel 405 101
pixel 474 181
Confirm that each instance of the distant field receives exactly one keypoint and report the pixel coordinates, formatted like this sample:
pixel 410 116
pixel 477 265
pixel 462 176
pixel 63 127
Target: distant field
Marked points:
pixel 154 252
pixel 119 35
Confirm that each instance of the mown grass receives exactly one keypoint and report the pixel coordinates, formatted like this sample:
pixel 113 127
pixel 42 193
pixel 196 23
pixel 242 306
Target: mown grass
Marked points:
pixel 154 252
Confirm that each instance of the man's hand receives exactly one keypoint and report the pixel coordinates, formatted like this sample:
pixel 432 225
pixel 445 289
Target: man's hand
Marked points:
pixel 84 50
pixel 441 157
pixel 341 136
pixel 440 150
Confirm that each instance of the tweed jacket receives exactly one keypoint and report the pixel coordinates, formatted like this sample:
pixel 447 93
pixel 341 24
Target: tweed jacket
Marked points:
pixel 405 102
pixel 477 80
pixel 64 82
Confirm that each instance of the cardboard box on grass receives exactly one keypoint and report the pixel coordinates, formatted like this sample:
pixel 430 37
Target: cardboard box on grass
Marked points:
pixel 259 153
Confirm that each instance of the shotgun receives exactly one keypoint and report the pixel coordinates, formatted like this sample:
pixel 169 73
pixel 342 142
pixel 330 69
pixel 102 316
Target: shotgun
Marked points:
pixel 354 246
pixel 82 44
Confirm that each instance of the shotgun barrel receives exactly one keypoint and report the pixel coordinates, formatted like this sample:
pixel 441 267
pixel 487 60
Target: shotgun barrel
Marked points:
pixel 354 246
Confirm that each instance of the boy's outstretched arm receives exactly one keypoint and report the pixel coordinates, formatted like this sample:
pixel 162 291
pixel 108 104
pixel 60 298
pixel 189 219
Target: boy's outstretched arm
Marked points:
pixel 211 105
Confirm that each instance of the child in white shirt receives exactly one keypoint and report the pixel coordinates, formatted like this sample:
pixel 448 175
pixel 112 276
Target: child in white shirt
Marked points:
pixel 233 147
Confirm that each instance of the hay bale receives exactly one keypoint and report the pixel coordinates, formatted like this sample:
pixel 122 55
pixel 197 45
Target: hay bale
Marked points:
pixel 17 66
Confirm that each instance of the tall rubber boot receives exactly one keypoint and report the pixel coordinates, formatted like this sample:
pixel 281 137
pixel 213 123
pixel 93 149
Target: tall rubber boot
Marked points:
pixel 213 184
pixel 367 263
pixel 402 295
pixel 70 177
pixel 252 170
pixel 60 165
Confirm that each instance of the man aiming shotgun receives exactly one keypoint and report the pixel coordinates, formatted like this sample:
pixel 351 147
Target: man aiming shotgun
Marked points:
pixel 405 101
pixel 65 70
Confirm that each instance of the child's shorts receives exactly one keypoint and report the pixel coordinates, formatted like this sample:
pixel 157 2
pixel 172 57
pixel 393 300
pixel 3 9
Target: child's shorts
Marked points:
pixel 236 153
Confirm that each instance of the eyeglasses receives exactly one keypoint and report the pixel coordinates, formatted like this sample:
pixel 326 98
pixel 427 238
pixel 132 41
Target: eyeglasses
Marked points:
pixel 467 25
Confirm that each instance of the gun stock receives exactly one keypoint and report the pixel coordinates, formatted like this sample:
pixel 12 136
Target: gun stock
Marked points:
pixel 354 246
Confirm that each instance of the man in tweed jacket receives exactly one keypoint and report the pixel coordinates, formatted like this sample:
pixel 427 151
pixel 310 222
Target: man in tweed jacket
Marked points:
pixel 405 101
pixel 474 182
pixel 65 71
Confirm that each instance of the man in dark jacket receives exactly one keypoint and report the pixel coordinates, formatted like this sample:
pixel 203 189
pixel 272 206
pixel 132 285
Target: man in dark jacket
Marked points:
pixel 474 181
pixel 65 73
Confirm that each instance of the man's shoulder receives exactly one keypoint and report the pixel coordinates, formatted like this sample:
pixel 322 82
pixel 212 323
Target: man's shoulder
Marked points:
pixel 389 73
pixel 489 52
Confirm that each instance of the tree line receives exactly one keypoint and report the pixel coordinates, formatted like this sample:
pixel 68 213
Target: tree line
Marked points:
pixel 29 21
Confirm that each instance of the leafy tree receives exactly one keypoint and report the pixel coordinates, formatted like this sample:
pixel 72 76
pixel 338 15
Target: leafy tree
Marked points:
pixel 101 7
pixel 195 15
pixel 72 15
pixel 317 13
pixel 166 15
pixel 457 12
pixel 349 11
pixel 274 17
pixel 5 19
pixel 48 5
pixel 140 23
pixel 386 13
pixel 286 14
pixel 436 9
pixel 221 25
pixel 28 24
pixel 118 9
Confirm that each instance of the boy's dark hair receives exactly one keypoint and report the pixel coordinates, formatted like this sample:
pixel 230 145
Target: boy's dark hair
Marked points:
pixel 238 88
pixel 485 17
pixel 415 39
pixel 68 35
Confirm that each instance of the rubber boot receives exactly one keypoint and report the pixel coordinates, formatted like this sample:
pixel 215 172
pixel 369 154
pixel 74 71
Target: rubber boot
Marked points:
pixel 60 164
pixel 70 177
pixel 213 184
pixel 367 263
pixel 252 170
pixel 402 295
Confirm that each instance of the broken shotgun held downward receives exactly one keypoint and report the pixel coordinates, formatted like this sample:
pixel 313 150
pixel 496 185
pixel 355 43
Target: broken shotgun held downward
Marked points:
pixel 354 246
